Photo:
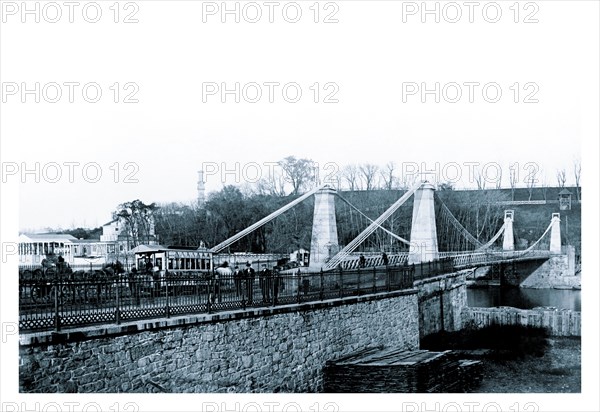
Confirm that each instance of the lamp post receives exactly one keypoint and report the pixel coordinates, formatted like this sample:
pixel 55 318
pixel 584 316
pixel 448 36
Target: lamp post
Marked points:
pixel 91 259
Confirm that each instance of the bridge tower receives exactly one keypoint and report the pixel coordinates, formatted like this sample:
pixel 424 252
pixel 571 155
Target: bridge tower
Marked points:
pixel 423 234
pixel 508 242
pixel 555 246
pixel 324 239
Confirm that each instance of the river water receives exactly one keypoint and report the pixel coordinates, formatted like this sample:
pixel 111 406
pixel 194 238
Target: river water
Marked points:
pixel 524 298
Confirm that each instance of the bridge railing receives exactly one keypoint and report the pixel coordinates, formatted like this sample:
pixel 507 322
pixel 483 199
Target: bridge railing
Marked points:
pixel 479 258
pixel 61 303
pixel 29 270
pixel 372 260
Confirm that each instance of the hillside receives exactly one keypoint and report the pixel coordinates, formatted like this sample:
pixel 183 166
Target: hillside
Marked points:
pixel 473 207
pixel 481 212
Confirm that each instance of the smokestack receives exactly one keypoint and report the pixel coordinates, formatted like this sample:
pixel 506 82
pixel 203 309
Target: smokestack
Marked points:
pixel 201 197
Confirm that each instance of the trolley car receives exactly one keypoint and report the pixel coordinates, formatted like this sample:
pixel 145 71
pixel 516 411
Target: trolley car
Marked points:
pixel 174 260
pixel 184 271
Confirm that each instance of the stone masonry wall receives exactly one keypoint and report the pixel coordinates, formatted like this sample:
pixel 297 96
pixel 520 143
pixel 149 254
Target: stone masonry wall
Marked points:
pixel 558 322
pixel 279 349
pixel 441 301
pixel 558 271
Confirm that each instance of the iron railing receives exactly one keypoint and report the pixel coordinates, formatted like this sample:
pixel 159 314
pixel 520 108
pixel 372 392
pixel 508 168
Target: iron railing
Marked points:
pixel 54 300
pixel 66 302
pixel 28 270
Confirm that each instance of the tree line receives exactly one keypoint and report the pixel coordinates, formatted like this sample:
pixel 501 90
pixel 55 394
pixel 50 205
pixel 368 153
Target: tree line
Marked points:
pixel 370 188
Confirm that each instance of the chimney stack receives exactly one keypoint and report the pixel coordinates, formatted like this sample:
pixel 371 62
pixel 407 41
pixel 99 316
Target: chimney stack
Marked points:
pixel 201 197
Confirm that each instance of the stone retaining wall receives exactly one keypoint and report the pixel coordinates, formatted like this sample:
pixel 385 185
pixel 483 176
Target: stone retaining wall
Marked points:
pixel 441 302
pixel 281 349
pixel 557 271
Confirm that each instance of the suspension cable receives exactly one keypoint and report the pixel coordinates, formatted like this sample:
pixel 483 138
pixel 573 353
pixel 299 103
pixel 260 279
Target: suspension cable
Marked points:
pixel 350 247
pixel 458 226
pixel 524 252
pixel 371 221
pixel 264 220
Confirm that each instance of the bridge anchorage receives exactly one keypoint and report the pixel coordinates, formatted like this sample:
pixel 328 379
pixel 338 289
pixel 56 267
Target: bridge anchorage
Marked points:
pixel 327 254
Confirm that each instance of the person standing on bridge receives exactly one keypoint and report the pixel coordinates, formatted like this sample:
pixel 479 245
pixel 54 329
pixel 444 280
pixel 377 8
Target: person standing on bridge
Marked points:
pixel 265 280
pixel 249 277
pixel 237 281
pixel 276 284
pixel 385 259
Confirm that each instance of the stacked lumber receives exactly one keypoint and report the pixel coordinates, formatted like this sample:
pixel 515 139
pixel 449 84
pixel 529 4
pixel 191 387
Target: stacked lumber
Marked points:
pixel 378 370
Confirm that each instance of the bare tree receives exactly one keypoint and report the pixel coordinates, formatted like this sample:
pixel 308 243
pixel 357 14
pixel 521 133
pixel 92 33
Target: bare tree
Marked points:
pixel 350 175
pixel 479 178
pixel 513 177
pixel 368 173
pixel 561 177
pixel 407 180
pixel 387 175
pixel 531 181
pixel 499 178
pixel 577 173
pixel 139 221
pixel 180 224
pixel 273 184
pixel 445 186
pixel 299 172
pixel 336 181
pixel 544 186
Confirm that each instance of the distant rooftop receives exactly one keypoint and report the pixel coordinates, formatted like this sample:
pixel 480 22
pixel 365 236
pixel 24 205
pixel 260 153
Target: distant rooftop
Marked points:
pixel 49 237
pixel 111 222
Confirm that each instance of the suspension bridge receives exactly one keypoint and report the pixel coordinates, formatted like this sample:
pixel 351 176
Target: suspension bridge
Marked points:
pixel 305 317
pixel 334 270
pixel 467 251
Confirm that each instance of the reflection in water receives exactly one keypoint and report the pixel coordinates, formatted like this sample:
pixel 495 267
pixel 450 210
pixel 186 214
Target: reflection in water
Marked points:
pixel 524 298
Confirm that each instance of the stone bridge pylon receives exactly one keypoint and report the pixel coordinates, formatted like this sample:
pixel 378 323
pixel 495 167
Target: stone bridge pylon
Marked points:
pixel 324 240
pixel 508 241
pixel 423 234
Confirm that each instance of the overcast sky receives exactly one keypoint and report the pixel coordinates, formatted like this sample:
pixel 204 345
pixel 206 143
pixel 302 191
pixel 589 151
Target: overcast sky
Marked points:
pixel 370 56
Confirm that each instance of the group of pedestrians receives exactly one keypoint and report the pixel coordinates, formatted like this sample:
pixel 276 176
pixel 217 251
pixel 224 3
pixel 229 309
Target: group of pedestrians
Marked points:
pixel 362 261
pixel 268 281
pixel 243 279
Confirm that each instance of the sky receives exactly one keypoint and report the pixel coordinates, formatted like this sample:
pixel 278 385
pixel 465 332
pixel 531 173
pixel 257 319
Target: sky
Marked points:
pixel 369 68
pixel 369 61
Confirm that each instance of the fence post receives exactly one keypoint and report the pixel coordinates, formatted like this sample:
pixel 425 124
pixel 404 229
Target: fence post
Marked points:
pixel 118 303
pixel 374 279
pixel 273 277
pixel 387 279
pixel 321 292
pixel 341 282
pixel 56 307
pixel 244 279
pixel 210 292
pixel 299 282
pixel 167 307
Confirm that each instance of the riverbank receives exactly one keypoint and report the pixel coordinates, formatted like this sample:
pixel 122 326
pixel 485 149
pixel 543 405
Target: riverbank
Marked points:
pixel 516 359
pixel 558 370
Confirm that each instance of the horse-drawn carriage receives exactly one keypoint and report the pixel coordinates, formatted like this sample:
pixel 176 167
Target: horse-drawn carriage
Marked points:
pixel 55 276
